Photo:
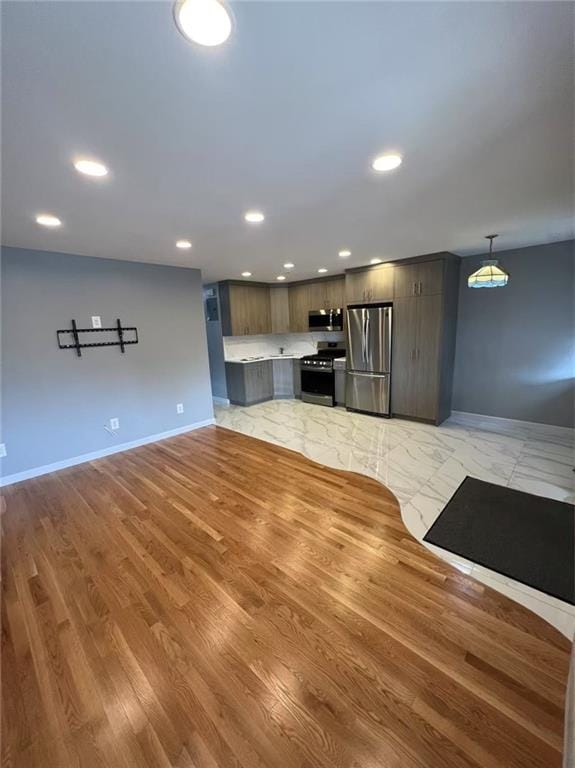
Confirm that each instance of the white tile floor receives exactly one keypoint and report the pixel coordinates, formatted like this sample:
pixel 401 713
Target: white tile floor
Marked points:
pixel 423 465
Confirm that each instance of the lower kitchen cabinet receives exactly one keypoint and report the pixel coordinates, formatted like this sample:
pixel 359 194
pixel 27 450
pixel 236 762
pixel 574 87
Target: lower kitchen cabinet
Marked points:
pixel 339 375
pixel 283 378
pixel 250 383
pixel 297 379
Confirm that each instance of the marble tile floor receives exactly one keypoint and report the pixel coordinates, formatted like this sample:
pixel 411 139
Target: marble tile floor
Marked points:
pixel 423 465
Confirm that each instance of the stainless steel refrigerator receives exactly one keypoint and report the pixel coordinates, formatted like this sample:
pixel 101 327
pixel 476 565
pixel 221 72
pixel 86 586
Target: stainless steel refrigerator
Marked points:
pixel 368 377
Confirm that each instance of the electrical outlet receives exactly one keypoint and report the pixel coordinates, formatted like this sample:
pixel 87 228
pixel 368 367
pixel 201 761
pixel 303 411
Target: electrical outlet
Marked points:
pixel 114 424
pixel 3 450
pixel 96 321
pixel 180 408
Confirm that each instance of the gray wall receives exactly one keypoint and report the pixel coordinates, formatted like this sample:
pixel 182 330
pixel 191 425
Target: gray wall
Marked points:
pixel 216 349
pixel 515 354
pixel 54 403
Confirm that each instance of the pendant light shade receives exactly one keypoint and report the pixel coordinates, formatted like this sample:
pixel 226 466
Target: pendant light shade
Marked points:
pixel 490 274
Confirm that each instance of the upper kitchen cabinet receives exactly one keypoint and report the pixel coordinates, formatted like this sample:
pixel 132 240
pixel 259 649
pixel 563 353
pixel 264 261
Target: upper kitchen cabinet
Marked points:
pixel 424 278
pixel 373 284
pixel 313 295
pixel 245 308
pixel 279 300
pixel 327 294
pixel 299 306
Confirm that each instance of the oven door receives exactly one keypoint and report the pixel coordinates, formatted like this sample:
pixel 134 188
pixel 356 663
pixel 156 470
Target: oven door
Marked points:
pixel 325 320
pixel 317 386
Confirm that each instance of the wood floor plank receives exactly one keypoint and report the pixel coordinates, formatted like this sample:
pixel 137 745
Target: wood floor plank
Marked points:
pixel 215 601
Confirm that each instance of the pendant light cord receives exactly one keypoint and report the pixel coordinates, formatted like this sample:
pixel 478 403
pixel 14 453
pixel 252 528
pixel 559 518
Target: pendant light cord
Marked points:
pixel 491 238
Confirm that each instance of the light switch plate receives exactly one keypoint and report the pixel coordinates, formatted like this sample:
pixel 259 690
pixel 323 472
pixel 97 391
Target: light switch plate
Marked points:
pixel 96 321
pixel 2 450
pixel 114 424
pixel 179 408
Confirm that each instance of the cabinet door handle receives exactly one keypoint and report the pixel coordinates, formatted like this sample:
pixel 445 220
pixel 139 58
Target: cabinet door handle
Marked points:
pixel 415 289
pixel 420 287
pixel 417 358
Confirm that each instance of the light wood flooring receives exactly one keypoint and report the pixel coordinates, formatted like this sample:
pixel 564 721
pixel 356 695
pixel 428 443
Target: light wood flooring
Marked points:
pixel 212 601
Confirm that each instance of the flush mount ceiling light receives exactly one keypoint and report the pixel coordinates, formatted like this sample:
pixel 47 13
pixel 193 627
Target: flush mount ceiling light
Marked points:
pixel 281 277
pixel 344 254
pixel 183 244
pixel 321 270
pixel 289 265
pixel 90 168
pixel 47 220
pixel 254 217
pixel 490 274
pixel 246 274
pixel 386 162
pixel 375 261
pixel 206 22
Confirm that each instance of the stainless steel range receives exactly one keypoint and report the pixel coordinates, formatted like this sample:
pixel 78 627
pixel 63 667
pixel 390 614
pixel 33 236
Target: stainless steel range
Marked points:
pixel 317 374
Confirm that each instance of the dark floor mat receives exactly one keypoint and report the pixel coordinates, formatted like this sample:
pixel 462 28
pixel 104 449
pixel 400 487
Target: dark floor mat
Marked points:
pixel 527 537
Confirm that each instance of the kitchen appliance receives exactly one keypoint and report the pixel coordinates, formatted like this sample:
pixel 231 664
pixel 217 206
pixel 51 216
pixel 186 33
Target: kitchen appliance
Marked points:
pixel 317 374
pixel 368 376
pixel 326 320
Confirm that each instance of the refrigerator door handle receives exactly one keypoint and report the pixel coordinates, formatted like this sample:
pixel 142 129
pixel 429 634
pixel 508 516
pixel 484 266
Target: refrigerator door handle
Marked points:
pixel 367 337
pixel 369 375
pixel 363 344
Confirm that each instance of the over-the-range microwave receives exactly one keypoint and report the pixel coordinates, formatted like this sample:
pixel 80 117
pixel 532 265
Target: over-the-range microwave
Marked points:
pixel 326 319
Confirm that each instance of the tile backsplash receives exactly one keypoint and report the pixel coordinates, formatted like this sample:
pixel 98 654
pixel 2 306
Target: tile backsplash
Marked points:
pixel 237 347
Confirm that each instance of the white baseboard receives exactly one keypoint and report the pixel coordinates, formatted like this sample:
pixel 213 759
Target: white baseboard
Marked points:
pixel 220 400
pixel 476 419
pixel 46 468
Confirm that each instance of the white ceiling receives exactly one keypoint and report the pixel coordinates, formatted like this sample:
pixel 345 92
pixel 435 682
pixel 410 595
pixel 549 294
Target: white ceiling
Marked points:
pixel 286 116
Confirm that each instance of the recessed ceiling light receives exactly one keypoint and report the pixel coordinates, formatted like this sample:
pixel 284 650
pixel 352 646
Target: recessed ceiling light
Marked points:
pixel 344 254
pixel 206 22
pixel 322 269
pixel 184 244
pixel 386 162
pixel 91 168
pixel 254 217
pixel 375 261
pixel 289 265
pixel 47 220
pixel 246 274
pixel 281 277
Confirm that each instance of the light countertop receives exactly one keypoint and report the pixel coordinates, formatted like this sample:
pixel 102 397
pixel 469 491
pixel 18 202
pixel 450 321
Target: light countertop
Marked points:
pixel 263 358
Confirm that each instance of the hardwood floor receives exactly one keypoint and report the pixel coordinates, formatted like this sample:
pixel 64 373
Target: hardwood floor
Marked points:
pixel 213 600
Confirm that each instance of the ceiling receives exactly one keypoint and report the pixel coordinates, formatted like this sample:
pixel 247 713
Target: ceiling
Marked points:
pixel 286 117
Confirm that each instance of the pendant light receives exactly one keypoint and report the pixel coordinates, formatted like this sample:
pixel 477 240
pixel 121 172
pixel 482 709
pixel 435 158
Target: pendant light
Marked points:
pixel 490 274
